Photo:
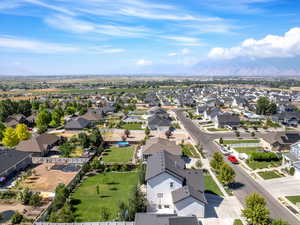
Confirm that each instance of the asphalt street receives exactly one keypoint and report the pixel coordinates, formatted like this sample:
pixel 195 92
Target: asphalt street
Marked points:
pixel 244 184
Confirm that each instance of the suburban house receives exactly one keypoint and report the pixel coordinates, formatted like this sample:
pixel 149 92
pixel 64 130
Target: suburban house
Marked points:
pixel 171 188
pixel 293 158
pixel 159 122
pixel 287 118
pixel 164 219
pixel 155 145
pixel 239 102
pixel 226 119
pixel 39 145
pixel 279 141
pixel 14 120
pixel 210 113
pixel 77 124
pixel 11 162
pixel 201 109
pixel 92 116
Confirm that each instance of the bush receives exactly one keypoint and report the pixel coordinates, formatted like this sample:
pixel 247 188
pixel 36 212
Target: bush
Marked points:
pixel 7 195
pixel 292 171
pixel 16 218
pixel 264 156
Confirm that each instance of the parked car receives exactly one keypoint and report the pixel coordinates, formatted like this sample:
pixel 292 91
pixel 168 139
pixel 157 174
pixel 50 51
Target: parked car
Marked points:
pixel 225 151
pixel 232 159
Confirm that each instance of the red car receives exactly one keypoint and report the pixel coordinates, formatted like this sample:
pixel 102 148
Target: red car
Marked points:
pixel 233 159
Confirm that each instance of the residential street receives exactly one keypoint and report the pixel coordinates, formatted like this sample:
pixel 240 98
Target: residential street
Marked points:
pixel 245 185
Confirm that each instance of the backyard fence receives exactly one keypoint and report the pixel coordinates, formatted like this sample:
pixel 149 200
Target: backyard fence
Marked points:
pixel 37 160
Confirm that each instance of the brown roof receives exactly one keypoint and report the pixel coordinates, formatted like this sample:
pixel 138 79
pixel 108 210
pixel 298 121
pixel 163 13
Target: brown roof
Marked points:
pixel 91 116
pixel 155 145
pixel 37 144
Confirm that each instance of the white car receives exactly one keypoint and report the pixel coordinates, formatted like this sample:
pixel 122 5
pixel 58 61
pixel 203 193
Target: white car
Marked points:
pixel 225 151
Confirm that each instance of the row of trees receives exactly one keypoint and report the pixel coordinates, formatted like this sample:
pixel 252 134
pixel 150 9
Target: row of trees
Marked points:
pixel 265 107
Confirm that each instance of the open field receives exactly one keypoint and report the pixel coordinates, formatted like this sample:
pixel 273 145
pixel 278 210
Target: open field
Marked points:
pixel 113 188
pixel 118 155
pixel 46 180
pixel 247 150
pixel 263 164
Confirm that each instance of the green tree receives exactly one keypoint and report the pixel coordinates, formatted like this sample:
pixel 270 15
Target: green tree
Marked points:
pixel 36 199
pixel 95 138
pixel 221 141
pixel 66 149
pixel 22 132
pixel 147 131
pixel 127 133
pixel 55 119
pixel 24 196
pixel 42 120
pixel 226 174
pixel 265 107
pixel 255 210
pixel 168 134
pixel 10 137
pixel 84 140
pixel 2 129
pixel 217 161
pixel 16 218
pixel 24 107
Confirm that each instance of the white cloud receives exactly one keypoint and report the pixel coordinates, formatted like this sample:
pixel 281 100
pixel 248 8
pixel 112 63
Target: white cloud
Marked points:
pixel 172 54
pixel 143 62
pixel 35 46
pixel 271 46
pixel 184 41
pixel 80 26
pixel 185 51
pixel 49 6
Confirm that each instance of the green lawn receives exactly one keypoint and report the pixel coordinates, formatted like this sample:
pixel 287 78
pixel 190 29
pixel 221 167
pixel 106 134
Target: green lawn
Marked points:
pixel 118 155
pixel 247 150
pixel 263 164
pixel 113 188
pixel 132 126
pixel 269 175
pixel 189 150
pixel 294 199
pixel 211 186
pixel 227 142
pixel 237 222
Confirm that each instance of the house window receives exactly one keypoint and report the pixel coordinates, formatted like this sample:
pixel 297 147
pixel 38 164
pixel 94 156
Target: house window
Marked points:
pixel 171 184
pixel 167 206
pixel 160 195
pixel 159 206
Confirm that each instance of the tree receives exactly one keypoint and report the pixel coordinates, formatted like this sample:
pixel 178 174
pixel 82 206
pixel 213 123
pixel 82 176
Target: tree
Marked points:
pixel 252 134
pixel 199 164
pixel 22 132
pixel 226 174
pixel 66 149
pixel 2 129
pixel 279 222
pixel 104 214
pixel 10 138
pixel 42 120
pixel 127 133
pixel 168 134
pixel 255 210
pixel 24 196
pixel 217 161
pixel 55 119
pixel 84 140
pixel 147 131
pixel 36 199
pixel 95 139
pixel 221 141
pixel 265 107
pixel 16 218
pixel 24 107
pixel 237 134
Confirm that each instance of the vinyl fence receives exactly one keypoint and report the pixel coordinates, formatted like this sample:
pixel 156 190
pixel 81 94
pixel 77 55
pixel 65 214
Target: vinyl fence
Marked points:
pixel 37 160
pixel 245 145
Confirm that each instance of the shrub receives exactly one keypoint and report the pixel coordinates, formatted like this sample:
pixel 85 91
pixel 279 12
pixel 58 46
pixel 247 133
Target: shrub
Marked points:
pixel 264 156
pixel 292 171
pixel 16 218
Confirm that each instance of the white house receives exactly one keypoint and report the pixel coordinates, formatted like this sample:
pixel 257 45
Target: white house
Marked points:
pixel 293 158
pixel 173 189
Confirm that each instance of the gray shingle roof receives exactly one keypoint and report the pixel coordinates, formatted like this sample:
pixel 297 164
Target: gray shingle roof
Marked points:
pixel 155 145
pixel 163 219
pixel 78 123
pixel 10 157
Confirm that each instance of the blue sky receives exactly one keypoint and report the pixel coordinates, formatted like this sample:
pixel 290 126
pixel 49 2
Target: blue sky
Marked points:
pixel 42 37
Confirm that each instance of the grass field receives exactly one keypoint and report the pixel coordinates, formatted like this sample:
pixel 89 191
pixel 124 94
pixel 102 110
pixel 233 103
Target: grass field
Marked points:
pixel 189 150
pixel 113 188
pixel 228 142
pixel 132 126
pixel 269 175
pixel 211 186
pixel 263 164
pixel 247 150
pixel 217 129
pixel 118 155
pixel 294 199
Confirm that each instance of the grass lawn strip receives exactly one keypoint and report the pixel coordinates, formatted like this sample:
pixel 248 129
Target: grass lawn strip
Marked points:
pixel 217 129
pixel 263 164
pixel 247 150
pixel 210 186
pixel 118 155
pixel 228 142
pixel 132 126
pixel 113 188
pixel 269 175
pixel 293 199
pixel 237 222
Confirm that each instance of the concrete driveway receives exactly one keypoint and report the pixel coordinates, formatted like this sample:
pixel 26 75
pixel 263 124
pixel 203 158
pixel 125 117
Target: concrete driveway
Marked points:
pixel 223 208
pixel 285 186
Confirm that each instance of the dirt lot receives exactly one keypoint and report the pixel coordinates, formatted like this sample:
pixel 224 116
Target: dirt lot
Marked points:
pixel 46 180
